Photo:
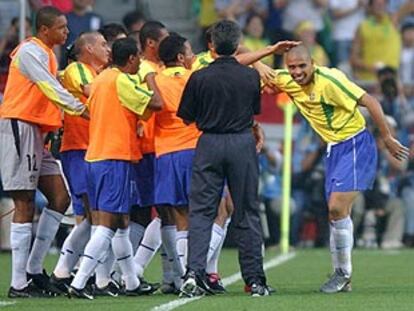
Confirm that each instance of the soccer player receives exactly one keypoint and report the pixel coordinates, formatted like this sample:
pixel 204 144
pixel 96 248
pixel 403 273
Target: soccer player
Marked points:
pixel 116 103
pixel 92 54
pixel 174 141
pixel 151 35
pixel 30 109
pixel 330 102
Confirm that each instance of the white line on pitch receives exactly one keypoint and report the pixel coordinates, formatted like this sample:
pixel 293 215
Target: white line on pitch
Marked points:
pixel 6 303
pixel 278 260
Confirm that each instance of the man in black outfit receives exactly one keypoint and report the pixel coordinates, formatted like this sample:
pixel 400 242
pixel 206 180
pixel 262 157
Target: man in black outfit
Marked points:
pixel 222 99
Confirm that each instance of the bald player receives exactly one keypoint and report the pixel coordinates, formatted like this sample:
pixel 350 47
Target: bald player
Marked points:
pixel 330 102
pixel 92 54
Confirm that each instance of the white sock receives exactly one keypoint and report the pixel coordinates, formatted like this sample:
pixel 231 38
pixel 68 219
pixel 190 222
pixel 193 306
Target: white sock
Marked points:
pixel 332 248
pixel 182 248
pixel 343 235
pixel 136 232
pixel 217 234
pixel 167 269
pixel 72 249
pixel 212 262
pixel 95 251
pixel 149 245
pixel 20 240
pixel 93 229
pixel 121 245
pixel 104 269
pixel 46 230
pixel 168 237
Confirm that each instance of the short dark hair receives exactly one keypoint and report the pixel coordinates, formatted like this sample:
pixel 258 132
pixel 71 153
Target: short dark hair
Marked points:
pixel 226 37
pixel 122 49
pixel 112 30
pixel 170 47
pixel 207 34
pixel 46 16
pixel 150 30
pixel 131 18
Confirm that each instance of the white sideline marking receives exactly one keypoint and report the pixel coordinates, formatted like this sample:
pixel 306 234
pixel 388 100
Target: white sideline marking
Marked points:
pixel 6 303
pixel 278 260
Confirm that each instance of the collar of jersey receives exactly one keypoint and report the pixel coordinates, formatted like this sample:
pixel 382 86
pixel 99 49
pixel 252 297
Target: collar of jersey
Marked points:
pixel 174 71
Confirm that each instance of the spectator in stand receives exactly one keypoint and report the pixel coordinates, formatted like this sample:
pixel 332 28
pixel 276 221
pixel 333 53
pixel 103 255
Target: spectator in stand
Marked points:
pixel 346 16
pixel 254 39
pixel 273 26
pixel 392 100
pixel 377 43
pixel 306 32
pixel 65 6
pixel 239 10
pixel 80 19
pixel 205 11
pixel 7 45
pixel 402 11
pixel 133 21
pixel 297 11
pixel 385 210
pixel 406 71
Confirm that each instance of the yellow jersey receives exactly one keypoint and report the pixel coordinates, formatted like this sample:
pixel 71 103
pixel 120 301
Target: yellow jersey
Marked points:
pixel 329 102
pixel 202 60
pixel 76 129
pixel 380 42
pixel 147 141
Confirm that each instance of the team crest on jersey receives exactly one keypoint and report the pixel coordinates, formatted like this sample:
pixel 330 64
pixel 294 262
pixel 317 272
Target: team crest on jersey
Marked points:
pixel 312 96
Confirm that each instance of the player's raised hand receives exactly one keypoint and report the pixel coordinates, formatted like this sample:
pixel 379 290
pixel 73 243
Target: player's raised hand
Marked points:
pixel 399 151
pixel 284 46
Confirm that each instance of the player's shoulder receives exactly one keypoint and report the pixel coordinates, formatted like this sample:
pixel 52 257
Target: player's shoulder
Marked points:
pixel 330 73
pixel 31 48
pixel 72 68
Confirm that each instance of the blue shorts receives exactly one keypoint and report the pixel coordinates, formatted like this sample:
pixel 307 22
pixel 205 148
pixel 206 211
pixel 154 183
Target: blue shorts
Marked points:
pixel 351 165
pixel 75 169
pixel 173 178
pixel 145 172
pixel 77 206
pixel 112 186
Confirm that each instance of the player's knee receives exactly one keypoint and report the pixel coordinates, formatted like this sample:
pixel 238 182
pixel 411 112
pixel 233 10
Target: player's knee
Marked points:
pixel 337 212
pixel 60 202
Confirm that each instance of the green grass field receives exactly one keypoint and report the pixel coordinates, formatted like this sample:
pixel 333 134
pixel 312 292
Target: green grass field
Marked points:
pixel 381 281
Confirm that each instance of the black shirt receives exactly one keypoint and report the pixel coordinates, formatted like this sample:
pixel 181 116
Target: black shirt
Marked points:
pixel 221 98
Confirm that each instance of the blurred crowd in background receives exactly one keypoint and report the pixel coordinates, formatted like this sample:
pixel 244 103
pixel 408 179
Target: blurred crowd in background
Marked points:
pixel 371 40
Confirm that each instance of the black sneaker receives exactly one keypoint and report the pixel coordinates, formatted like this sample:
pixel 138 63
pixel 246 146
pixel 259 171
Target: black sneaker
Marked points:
pixel 41 280
pixel 189 289
pixel 79 293
pixel 61 284
pixel 30 291
pixel 142 289
pixel 259 290
pixel 111 290
pixel 195 285
pixel 214 282
pixel 155 286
